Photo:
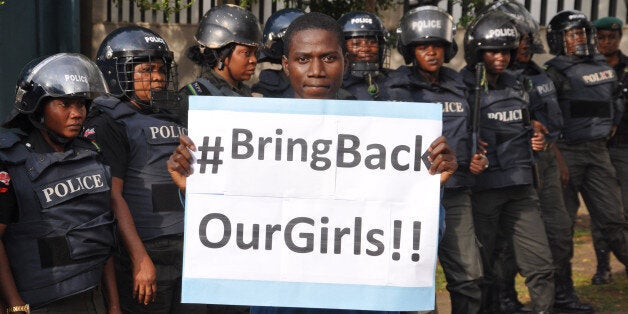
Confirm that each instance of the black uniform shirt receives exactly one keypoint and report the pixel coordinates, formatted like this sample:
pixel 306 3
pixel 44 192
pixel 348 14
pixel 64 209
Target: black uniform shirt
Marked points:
pixel 111 137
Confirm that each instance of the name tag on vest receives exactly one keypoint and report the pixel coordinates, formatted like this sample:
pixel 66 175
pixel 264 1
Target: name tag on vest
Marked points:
pixel 54 193
pixel 164 134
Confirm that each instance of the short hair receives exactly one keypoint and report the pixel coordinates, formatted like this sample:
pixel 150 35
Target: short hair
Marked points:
pixel 313 20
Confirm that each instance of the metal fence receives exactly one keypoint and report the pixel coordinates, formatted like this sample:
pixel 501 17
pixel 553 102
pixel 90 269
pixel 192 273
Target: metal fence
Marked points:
pixel 542 10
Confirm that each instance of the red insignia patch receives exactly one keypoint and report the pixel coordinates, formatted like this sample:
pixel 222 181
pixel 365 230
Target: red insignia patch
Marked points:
pixel 5 179
pixel 89 132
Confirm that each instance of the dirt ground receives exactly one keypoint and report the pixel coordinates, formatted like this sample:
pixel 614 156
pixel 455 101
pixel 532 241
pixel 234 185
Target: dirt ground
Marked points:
pixel 607 299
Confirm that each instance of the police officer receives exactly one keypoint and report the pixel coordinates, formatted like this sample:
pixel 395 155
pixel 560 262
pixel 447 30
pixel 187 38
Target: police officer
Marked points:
pixel 56 225
pixel 545 112
pixel 608 34
pixel 366 41
pixel 504 199
pixel 273 81
pixel 228 37
pixel 426 39
pixel 592 108
pixel 136 137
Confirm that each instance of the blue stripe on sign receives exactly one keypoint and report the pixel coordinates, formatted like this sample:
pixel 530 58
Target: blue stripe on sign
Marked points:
pixel 388 109
pixel 311 295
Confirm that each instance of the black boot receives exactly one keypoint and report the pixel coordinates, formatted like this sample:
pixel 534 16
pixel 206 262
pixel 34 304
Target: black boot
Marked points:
pixel 603 273
pixel 509 304
pixel 566 300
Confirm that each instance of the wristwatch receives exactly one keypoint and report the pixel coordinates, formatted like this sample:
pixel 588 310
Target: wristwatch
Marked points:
pixel 19 308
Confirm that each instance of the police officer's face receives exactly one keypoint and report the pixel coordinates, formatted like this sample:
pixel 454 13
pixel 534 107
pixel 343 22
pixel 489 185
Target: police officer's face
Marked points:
pixel 315 64
pixel 65 116
pixel 240 65
pixel 147 77
pixel 608 41
pixel 524 54
pixel 363 49
pixel 430 57
pixel 573 38
pixel 496 61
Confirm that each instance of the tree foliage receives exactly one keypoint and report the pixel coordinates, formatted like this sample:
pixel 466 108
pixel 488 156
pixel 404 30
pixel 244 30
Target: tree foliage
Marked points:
pixel 470 9
pixel 168 7
pixel 334 8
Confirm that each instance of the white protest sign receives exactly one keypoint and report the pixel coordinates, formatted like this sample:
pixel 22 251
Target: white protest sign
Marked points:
pixel 311 203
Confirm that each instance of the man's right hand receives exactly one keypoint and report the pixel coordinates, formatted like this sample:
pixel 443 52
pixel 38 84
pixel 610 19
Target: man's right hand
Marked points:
pixel 180 162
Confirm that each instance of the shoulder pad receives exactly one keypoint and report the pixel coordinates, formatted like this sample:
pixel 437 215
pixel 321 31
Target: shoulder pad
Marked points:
pixel 112 106
pixel 10 149
pixel 8 139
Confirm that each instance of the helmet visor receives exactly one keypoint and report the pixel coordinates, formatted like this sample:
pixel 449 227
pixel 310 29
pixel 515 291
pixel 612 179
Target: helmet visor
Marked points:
pixel 426 25
pixel 69 75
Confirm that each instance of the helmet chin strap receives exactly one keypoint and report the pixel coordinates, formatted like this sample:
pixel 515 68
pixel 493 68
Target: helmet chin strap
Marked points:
pixel 38 122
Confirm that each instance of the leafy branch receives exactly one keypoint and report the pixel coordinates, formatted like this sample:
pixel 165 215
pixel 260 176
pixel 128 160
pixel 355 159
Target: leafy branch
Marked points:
pixel 470 8
pixel 168 7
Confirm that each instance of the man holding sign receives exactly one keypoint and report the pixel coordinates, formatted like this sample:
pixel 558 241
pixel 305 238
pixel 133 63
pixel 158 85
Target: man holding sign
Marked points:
pixel 315 196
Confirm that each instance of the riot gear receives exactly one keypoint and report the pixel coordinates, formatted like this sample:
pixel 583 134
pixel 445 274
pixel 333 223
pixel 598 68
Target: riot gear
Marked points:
pixel 125 48
pixel 62 75
pixel 427 24
pixel 564 21
pixel 363 25
pixel 493 30
pixel 274 29
pixel 227 24
pixel 524 22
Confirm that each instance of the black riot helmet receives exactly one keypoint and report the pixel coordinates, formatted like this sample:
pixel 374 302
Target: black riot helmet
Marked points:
pixel 125 48
pixel 220 29
pixel 493 30
pixel 227 24
pixel 426 24
pixel 68 75
pixel 525 23
pixel 365 24
pixel 274 29
pixel 564 21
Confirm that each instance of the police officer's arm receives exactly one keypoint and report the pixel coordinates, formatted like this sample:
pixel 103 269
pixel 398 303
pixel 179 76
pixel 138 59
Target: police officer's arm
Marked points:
pixel 443 159
pixel 111 137
pixel 180 162
pixel 111 288
pixel 144 273
pixel 7 288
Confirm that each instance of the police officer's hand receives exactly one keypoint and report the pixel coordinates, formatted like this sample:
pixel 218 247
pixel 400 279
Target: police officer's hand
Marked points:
pixel 613 131
pixel 180 162
pixel 144 280
pixel 479 163
pixel 443 159
pixel 538 139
